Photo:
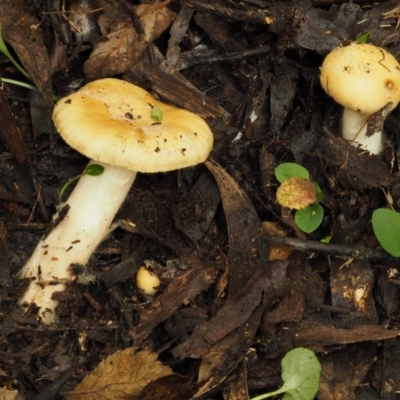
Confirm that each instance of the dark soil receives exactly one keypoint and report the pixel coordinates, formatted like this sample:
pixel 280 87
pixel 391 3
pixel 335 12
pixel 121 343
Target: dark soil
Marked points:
pixel 241 284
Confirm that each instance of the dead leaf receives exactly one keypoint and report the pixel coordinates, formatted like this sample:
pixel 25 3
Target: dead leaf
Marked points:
pixel 278 251
pixel 248 245
pixel 233 314
pixel 197 208
pixel 9 394
pixel 225 355
pixel 283 91
pixel 356 169
pixel 323 30
pixel 124 45
pixel 344 371
pixel 171 387
pixel 28 43
pixel 327 336
pixel 236 387
pixel 222 355
pixel 254 283
pixel 122 375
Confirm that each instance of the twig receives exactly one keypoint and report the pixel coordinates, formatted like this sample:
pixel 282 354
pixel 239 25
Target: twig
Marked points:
pixel 339 250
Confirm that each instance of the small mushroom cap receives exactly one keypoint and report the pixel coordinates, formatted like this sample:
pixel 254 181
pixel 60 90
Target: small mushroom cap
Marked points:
pixel 147 281
pixel 109 120
pixel 362 77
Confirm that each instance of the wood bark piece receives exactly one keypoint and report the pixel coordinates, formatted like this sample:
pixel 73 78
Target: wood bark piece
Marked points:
pixel 254 283
pixel 327 336
pixel 251 14
pixel 182 289
pixel 356 169
pixel 234 314
pixel 172 89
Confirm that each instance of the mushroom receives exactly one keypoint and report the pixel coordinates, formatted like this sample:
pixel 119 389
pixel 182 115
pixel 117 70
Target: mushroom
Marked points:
pixel 147 281
pixel 109 121
pixel 365 79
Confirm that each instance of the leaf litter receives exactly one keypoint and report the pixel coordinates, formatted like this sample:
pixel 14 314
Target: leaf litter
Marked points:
pixel 226 313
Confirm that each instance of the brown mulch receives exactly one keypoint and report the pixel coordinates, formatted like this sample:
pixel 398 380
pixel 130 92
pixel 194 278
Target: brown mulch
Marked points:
pixel 241 285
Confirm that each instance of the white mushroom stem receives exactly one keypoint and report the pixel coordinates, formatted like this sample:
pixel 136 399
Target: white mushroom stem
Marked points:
pixel 354 129
pixel 93 205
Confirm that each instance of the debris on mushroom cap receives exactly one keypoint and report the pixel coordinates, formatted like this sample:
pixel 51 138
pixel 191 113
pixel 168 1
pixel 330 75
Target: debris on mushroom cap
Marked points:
pixel 147 281
pixel 109 120
pixel 362 77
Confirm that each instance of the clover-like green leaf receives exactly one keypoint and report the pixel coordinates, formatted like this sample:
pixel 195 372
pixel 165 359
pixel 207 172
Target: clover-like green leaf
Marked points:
pixel 300 373
pixel 290 170
pixel 93 170
pixel 310 218
pixel 386 226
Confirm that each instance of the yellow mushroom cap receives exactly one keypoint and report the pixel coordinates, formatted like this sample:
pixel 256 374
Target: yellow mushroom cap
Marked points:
pixel 362 77
pixel 109 120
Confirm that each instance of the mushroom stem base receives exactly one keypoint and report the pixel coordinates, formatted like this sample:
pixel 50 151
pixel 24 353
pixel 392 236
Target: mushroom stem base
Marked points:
pixel 90 211
pixel 354 129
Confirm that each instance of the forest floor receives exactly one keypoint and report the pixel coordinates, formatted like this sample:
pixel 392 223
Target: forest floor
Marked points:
pixel 242 285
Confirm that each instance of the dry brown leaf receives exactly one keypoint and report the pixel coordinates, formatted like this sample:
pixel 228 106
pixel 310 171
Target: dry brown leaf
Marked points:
pixel 9 394
pixel 277 251
pixel 122 375
pixel 124 45
pixel 18 19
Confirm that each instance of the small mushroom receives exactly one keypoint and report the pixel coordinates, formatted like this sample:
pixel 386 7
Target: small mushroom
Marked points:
pixel 147 281
pixel 109 121
pixel 365 79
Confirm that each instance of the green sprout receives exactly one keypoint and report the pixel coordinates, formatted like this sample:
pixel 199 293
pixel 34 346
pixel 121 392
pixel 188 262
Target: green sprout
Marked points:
pixel 326 240
pixel 364 37
pixel 92 170
pixel 156 114
pixel 298 192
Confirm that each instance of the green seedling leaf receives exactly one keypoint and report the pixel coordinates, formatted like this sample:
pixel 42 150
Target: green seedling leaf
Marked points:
pixel 300 373
pixel 156 114
pixel 326 240
pixel 386 226
pixel 320 194
pixel 92 170
pixel 310 218
pixel 364 37
pixel 290 170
